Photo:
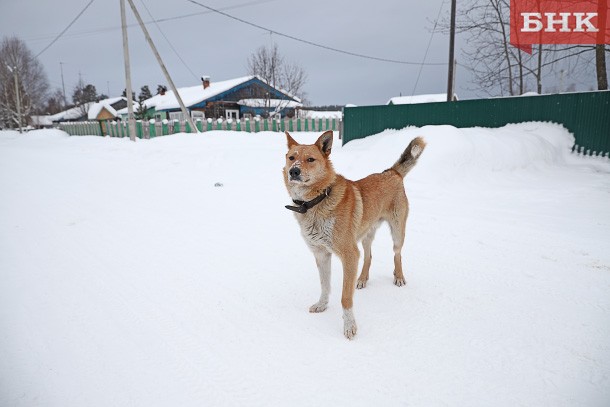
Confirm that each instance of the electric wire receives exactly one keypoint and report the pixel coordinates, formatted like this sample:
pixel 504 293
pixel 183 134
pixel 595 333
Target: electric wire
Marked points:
pixel 428 47
pixel 394 61
pixel 65 29
pixel 168 41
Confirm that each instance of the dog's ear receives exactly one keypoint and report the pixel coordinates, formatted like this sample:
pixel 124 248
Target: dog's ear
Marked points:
pixel 291 141
pixel 325 142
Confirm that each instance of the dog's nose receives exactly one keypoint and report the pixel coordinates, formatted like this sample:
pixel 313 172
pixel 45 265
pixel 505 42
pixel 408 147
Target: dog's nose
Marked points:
pixel 294 172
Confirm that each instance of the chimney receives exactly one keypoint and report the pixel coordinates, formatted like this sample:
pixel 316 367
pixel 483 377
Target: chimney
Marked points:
pixel 206 81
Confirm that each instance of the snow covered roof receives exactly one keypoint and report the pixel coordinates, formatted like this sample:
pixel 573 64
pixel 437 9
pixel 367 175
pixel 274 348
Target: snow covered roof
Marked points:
pixel 70 114
pixel 269 103
pixel 44 120
pixel 191 95
pixel 96 108
pixel 409 100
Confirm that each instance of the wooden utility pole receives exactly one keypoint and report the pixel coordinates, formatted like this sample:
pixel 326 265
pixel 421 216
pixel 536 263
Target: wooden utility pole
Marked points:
pixel 450 84
pixel 186 114
pixel 130 117
pixel 17 95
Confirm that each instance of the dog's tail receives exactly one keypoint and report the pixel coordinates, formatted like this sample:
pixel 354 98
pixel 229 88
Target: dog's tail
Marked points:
pixel 409 157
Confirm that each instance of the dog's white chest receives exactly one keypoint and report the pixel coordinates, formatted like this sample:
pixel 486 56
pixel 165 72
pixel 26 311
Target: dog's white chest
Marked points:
pixel 317 231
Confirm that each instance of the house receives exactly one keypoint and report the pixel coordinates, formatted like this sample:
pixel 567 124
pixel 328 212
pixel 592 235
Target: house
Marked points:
pixel 103 110
pixel 409 100
pixel 231 99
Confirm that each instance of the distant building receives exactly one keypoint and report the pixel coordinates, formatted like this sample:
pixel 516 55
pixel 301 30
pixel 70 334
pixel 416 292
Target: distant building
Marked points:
pixel 230 99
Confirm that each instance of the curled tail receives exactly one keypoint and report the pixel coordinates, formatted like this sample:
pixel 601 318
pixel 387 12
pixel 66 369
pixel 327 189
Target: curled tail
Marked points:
pixel 409 157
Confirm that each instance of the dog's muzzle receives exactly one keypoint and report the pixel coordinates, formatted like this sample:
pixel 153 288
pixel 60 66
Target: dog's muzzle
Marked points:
pixel 295 174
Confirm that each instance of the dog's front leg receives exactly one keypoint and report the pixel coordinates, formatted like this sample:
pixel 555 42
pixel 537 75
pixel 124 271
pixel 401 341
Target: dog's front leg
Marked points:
pixel 323 258
pixel 349 258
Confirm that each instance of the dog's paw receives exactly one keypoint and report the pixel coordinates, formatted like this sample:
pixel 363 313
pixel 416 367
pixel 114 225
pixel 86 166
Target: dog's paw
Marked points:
pixel 361 284
pixel 350 329
pixel 349 324
pixel 399 282
pixel 318 307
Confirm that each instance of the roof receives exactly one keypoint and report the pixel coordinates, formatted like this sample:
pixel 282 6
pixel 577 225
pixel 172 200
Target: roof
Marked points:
pixel 192 95
pixel 96 108
pixel 93 109
pixel 410 100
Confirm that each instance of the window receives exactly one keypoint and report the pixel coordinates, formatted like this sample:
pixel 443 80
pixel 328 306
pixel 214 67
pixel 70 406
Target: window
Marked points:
pixel 197 114
pixel 232 114
pixel 176 116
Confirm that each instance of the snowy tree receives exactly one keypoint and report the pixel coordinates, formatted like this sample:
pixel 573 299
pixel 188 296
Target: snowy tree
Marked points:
pixel 17 64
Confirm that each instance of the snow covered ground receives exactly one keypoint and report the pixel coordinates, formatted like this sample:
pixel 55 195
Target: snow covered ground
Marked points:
pixel 128 279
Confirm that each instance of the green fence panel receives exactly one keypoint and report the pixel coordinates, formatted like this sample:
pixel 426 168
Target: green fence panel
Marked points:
pixel 274 125
pixel 266 125
pixel 320 125
pixel 257 125
pixel 139 129
pixel 248 129
pixel 585 114
pixel 238 125
pixel 229 125
pixel 187 127
pixel 290 126
pixel 282 125
pixel 176 127
pixel 199 125
pixel 152 130
pixel 164 128
pixel 209 125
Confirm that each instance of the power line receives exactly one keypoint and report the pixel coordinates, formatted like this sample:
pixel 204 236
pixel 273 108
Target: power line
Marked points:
pixel 394 61
pixel 167 39
pixel 428 47
pixel 85 33
pixel 65 29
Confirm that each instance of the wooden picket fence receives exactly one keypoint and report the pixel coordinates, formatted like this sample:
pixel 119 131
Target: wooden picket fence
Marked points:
pixel 152 128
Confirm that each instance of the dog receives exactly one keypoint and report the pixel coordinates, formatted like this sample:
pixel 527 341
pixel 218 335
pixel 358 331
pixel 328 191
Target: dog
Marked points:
pixel 335 213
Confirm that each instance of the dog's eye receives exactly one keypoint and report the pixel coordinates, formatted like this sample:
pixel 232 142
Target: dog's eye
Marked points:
pixel 311 159
pixel 291 158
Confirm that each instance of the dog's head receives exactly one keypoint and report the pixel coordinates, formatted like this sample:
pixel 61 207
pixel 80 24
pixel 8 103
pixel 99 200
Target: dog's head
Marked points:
pixel 308 165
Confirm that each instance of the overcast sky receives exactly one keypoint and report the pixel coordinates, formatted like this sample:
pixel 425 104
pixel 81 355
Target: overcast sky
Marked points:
pixel 214 45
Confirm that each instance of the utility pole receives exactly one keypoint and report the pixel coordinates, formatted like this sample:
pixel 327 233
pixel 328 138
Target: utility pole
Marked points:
pixel 163 68
pixel 450 84
pixel 63 85
pixel 17 94
pixel 130 118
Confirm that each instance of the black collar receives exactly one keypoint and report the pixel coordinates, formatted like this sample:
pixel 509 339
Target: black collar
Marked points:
pixel 304 206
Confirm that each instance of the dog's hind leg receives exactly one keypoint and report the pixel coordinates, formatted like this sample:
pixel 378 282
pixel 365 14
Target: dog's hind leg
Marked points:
pixel 397 227
pixel 323 258
pixel 366 245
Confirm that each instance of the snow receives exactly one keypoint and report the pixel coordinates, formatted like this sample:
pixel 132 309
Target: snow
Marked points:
pixel 409 100
pixel 128 278
pixel 96 108
pixel 320 114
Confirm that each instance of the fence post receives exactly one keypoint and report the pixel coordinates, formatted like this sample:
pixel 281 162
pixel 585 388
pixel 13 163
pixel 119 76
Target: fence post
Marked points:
pixel 164 127
pixel 238 125
pixel 247 125
pixel 139 130
pixel 187 126
pixel 266 124
pixel 257 125
pixel 229 124
pixel 290 125
pixel 199 125
pixel 176 126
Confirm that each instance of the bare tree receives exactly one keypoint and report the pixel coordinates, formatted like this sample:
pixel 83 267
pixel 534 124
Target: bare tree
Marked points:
pixel 501 69
pixel 16 60
pixel 268 64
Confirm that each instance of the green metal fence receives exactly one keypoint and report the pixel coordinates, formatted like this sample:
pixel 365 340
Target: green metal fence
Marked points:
pixel 586 115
